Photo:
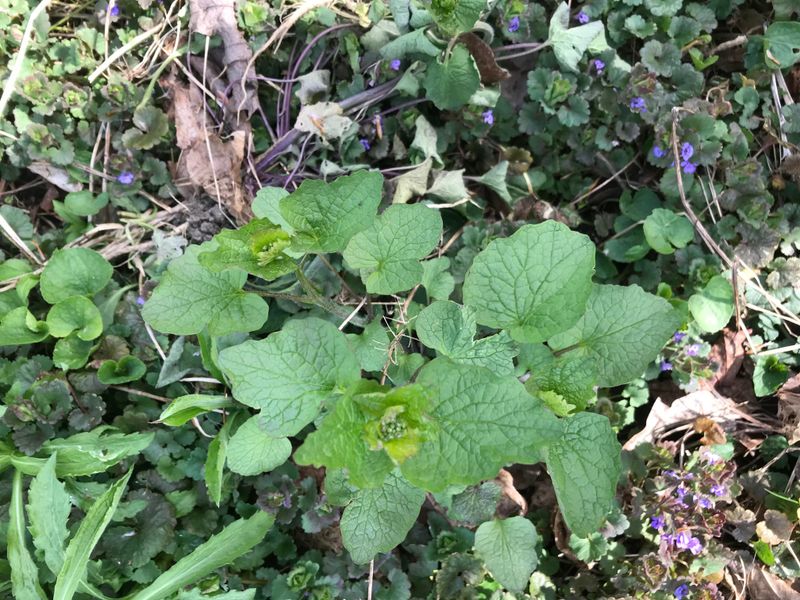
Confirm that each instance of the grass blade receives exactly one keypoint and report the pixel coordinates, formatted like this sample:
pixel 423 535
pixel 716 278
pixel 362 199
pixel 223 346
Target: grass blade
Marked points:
pixel 220 550
pixel 24 574
pixel 86 538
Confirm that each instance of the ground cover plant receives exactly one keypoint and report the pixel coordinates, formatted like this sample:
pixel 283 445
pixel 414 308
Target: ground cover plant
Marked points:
pixel 405 299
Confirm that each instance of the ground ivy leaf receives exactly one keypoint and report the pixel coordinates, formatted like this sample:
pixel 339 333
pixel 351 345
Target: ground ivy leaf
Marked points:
pixel 782 44
pixel 476 504
pixel 75 314
pixel 377 520
pixel 508 548
pixel 584 465
pixel 712 307
pixel 570 44
pixel 388 252
pixel 474 435
pixel 623 330
pixel 252 452
pixel 291 373
pixel 450 330
pixel 339 442
pixel 534 283
pixel 258 248
pixel 450 85
pixel 48 509
pixel 74 272
pixel 664 231
pixel 190 297
pixel 326 215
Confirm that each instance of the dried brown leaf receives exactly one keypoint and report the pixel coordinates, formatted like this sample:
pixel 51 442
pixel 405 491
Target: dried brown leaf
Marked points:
pixel 775 528
pixel 483 54
pixel 763 585
pixel 206 162
pixel 209 17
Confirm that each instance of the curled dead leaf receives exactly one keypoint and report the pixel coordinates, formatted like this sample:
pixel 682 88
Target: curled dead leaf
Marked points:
pixel 206 162
pixel 209 17
pixel 711 430
pixel 775 528
pixel 483 54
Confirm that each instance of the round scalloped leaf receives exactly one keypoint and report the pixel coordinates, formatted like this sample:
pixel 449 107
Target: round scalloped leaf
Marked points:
pixel 125 370
pixel 74 272
pixel 77 314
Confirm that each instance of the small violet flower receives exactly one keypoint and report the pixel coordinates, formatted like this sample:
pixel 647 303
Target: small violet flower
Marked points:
pixel 681 491
pixel 513 24
pixel 658 152
pixel 692 349
pixel 704 502
pixel 394 65
pixel 488 117
pixel 599 65
pixel 681 591
pixel 686 541
pixel 688 166
pixel 719 489
pixel 678 337
pixel 364 144
pixel 710 457
pixel 113 9
pixel 140 300
pixel 665 366
pixel 637 104
pixel 657 522
pixel 582 18
pixel 125 178
pixel 687 151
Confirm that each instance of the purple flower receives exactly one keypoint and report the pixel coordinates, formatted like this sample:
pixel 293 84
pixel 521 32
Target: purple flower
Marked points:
pixel 681 591
pixel 704 502
pixel 688 166
pixel 657 522
pixel 365 144
pixel 687 151
pixel 582 18
pixel 113 9
pixel 719 489
pixel 686 541
pixel 126 178
pixel 599 65
pixel 394 65
pixel 140 300
pixel 637 104
pixel 681 491
pixel 671 473
pixel 692 349
pixel 513 24
pixel 488 117
pixel 678 337
pixel 665 366
pixel 710 457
